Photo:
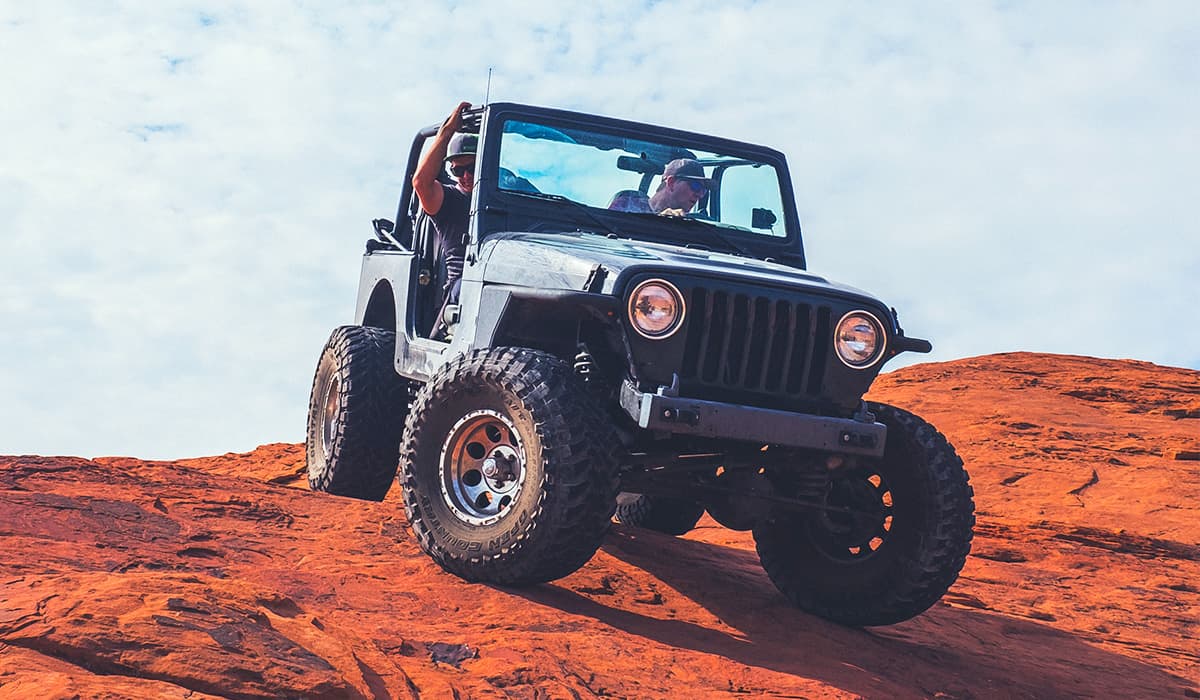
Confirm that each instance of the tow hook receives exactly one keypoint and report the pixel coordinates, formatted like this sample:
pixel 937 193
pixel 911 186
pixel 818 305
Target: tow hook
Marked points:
pixel 681 415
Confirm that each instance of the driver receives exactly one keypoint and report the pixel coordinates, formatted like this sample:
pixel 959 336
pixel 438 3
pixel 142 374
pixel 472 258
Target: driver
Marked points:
pixel 449 205
pixel 683 184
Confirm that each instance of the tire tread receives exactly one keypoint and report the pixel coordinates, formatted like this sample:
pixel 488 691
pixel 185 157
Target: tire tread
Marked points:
pixel 578 493
pixel 373 405
pixel 922 577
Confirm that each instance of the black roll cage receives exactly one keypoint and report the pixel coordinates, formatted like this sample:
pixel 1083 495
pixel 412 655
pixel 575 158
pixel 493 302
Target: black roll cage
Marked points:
pixel 494 210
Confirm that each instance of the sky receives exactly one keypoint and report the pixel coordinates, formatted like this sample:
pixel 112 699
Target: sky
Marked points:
pixel 185 187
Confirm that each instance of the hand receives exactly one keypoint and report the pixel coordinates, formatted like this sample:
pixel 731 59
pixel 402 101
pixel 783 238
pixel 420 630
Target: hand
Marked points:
pixel 671 212
pixel 454 122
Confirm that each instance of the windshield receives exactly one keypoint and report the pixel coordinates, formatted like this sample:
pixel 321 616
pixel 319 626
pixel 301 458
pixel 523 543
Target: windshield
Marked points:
pixel 613 172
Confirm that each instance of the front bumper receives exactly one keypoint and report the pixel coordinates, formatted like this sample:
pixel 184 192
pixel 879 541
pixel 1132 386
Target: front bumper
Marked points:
pixel 713 419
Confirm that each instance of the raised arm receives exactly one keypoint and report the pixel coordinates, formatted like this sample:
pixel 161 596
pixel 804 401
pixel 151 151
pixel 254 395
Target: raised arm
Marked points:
pixel 425 179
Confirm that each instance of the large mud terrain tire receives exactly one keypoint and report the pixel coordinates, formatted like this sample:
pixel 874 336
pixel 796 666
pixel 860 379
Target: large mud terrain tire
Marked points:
pixel 509 473
pixel 897 543
pixel 356 415
pixel 673 516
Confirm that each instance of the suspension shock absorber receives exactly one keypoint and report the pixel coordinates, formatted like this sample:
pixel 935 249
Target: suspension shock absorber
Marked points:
pixel 585 366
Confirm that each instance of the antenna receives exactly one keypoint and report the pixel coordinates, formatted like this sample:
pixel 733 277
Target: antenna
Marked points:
pixel 488 94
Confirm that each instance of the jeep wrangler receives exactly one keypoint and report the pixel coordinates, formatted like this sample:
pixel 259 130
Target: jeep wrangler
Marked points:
pixel 605 363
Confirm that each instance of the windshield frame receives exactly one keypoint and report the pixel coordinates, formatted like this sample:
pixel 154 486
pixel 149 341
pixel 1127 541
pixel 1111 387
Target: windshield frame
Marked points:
pixel 498 210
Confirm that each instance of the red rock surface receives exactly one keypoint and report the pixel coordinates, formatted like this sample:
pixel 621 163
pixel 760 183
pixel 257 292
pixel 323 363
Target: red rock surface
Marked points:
pixel 224 576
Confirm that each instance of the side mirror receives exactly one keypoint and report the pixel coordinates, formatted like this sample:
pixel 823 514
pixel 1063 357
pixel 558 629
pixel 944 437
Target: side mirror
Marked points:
pixel 762 218
pixel 383 226
pixel 387 237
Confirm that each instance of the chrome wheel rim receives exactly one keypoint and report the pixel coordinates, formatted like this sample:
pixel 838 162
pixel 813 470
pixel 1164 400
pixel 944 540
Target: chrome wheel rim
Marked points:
pixel 329 416
pixel 482 467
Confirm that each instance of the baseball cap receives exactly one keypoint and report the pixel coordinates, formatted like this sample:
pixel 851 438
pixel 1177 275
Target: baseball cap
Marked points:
pixel 687 169
pixel 462 145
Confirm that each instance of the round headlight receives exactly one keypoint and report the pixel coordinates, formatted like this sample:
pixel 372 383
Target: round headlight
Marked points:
pixel 859 339
pixel 656 309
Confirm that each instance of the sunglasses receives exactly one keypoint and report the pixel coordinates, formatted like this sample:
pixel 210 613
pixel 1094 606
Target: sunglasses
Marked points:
pixel 698 187
pixel 460 170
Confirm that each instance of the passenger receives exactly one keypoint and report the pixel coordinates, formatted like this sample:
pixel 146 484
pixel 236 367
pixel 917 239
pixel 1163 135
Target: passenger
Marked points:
pixel 683 184
pixel 449 206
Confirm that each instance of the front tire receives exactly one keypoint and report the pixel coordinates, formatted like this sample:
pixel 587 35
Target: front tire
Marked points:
pixel 355 415
pixel 895 538
pixel 509 473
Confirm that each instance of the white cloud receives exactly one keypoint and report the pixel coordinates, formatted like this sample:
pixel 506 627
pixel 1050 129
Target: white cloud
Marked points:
pixel 185 188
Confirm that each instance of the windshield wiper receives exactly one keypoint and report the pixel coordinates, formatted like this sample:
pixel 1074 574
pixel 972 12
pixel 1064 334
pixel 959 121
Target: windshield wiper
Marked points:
pixel 587 211
pixel 714 234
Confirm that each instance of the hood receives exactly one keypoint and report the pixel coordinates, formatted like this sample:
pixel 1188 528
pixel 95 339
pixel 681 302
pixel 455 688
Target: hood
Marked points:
pixel 566 261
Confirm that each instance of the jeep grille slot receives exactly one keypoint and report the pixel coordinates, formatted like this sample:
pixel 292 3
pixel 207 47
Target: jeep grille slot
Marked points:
pixel 765 344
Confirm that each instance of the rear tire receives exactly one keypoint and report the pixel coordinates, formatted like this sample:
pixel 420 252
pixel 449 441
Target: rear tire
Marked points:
pixel 900 548
pixel 356 414
pixel 672 516
pixel 509 473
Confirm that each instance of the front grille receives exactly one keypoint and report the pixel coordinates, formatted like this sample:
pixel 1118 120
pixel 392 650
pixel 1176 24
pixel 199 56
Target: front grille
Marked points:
pixel 756 342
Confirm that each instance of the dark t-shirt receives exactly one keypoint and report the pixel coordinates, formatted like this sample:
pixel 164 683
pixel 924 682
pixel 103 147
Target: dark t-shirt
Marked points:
pixel 631 200
pixel 451 223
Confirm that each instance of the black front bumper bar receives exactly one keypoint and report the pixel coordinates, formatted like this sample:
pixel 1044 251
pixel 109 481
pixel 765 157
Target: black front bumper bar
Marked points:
pixel 713 419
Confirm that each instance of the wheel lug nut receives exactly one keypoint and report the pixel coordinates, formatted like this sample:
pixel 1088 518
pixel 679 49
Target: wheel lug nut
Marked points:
pixel 490 470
